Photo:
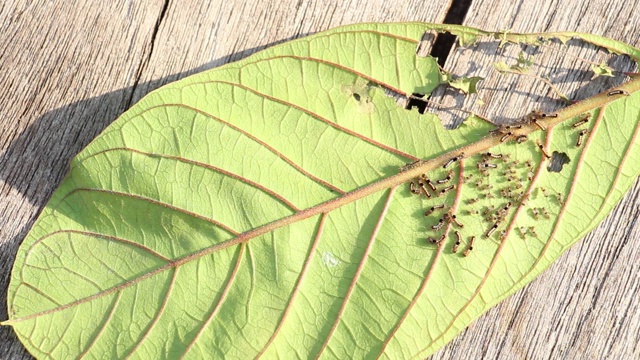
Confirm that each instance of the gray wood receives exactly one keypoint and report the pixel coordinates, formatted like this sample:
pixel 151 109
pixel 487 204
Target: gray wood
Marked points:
pixel 69 70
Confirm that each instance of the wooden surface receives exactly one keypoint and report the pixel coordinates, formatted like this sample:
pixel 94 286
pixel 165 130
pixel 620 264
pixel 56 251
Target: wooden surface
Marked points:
pixel 70 70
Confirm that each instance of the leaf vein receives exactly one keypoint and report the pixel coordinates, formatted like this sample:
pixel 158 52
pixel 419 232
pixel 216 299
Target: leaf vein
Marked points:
pixel 155 320
pixel 243 179
pixel 303 273
pixel 155 202
pixel 431 269
pixel 218 304
pixel 103 326
pixel 359 270
pixel 315 116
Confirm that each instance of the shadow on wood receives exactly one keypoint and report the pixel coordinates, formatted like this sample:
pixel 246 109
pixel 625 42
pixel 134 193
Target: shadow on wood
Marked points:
pixel 35 163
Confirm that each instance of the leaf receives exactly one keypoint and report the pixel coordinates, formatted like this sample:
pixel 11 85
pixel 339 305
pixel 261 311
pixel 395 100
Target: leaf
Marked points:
pixel 467 85
pixel 521 67
pixel 264 208
pixel 602 69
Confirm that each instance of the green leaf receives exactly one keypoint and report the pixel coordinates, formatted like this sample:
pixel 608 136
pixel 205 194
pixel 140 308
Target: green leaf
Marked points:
pixel 265 208
pixel 521 66
pixel 467 85
pixel 602 70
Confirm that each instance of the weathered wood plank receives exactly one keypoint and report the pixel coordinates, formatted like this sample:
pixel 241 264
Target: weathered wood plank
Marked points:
pixel 75 69
pixel 585 306
pixel 72 69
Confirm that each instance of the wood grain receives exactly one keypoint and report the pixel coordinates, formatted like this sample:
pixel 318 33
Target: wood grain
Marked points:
pixel 72 69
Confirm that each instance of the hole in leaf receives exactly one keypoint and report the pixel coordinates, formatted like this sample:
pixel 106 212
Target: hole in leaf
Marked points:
pixel 558 160
pixel 444 41
pixel 424 46
pixel 416 100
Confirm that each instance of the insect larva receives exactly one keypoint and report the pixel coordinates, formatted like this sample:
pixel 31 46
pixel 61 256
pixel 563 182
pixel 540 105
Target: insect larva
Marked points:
pixel 545 213
pixel 537 123
pixel 458 241
pixel 559 199
pixel 452 160
pixel 549 116
pixel 504 210
pixel 505 137
pixel 528 164
pixel 449 162
pixel 530 176
pixel 472 212
pixel 491 230
pixel 523 232
pixel 536 213
pixel 503 234
pixel 582 121
pixel 488 210
pixel 430 184
pixel 413 188
pixel 581 135
pixel 617 92
pixel 484 165
pixel 438 225
pixel 493 156
pixel 410 166
pixel 436 241
pixel 453 219
pixel 468 250
pixel 447 189
pixel 446 179
pixel 473 201
pixel 532 230
pixel 544 152
pixel 521 138
pixel 433 208
pixel 424 190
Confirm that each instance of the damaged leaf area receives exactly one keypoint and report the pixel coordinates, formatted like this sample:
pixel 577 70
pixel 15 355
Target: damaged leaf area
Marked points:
pixel 308 202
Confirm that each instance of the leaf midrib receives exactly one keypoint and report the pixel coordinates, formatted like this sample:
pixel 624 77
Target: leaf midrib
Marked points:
pixel 423 166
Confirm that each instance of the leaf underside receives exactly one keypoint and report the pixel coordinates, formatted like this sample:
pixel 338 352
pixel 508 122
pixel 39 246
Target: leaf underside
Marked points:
pixel 263 208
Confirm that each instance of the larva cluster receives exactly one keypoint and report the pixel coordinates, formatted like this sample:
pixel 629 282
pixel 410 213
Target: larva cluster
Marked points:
pixel 500 185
